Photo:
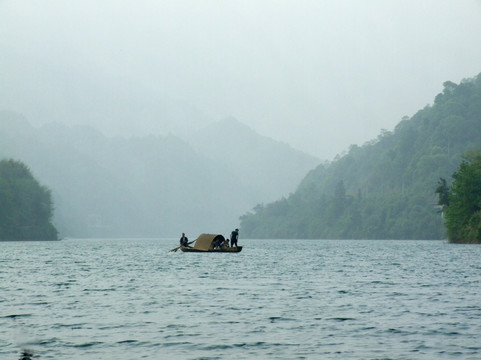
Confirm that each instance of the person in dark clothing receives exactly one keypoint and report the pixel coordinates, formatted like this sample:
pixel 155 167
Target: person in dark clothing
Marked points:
pixel 216 244
pixel 183 240
pixel 234 236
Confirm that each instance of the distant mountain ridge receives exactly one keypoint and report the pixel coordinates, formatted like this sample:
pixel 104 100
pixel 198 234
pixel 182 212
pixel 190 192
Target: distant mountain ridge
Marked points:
pixel 257 161
pixel 142 186
pixel 385 188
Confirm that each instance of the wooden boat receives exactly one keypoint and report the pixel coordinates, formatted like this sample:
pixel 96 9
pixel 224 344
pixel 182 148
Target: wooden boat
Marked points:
pixel 205 243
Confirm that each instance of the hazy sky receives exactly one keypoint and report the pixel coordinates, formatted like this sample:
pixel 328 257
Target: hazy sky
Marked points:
pixel 319 75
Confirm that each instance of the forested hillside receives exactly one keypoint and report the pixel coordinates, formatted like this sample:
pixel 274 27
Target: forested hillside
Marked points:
pixel 26 207
pixel 385 188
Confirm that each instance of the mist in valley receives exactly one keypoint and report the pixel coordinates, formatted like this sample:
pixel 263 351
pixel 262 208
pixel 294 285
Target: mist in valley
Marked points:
pixel 150 186
pixel 154 118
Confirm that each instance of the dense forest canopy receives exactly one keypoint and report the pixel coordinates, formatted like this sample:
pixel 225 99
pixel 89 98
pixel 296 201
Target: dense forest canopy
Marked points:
pixel 461 201
pixel 385 188
pixel 26 207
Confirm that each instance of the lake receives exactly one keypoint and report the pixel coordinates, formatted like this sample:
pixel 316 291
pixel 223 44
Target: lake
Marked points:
pixel 277 299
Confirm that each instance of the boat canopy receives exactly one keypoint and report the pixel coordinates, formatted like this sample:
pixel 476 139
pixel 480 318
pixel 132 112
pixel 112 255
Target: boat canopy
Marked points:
pixel 204 241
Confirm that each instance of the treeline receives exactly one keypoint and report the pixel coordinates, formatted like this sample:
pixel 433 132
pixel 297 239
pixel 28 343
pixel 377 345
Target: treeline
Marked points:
pixel 26 207
pixel 385 188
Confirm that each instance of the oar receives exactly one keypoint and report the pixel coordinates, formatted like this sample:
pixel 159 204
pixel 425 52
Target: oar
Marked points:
pixel 178 247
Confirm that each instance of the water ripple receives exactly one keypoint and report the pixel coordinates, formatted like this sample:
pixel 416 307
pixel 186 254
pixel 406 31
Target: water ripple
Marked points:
pixel 125 299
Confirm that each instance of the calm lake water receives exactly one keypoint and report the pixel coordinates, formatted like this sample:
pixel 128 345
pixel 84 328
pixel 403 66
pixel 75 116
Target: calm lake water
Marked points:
pixel 132 299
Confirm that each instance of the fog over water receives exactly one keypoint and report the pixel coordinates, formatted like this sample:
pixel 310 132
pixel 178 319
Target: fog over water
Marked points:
pixel 318 75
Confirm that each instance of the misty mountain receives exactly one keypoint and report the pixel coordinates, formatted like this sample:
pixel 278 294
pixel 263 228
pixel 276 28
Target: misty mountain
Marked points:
pixel 385 188
pixel 141 186
pixel 270 169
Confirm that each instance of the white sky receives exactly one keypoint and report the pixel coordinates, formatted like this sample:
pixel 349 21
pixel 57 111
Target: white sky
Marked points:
pixel 319 75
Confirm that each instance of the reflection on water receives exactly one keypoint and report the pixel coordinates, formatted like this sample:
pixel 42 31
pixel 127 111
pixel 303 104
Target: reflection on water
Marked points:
pixel 26 355
pixel 283 299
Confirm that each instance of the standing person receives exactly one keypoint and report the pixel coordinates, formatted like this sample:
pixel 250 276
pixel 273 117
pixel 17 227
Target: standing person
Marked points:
pixel 234 236
pixel 183 240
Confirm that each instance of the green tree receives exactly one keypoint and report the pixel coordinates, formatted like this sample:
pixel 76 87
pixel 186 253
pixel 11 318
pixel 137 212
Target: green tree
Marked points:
pixel 443 193
pixel 26 207
pixel 463 216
